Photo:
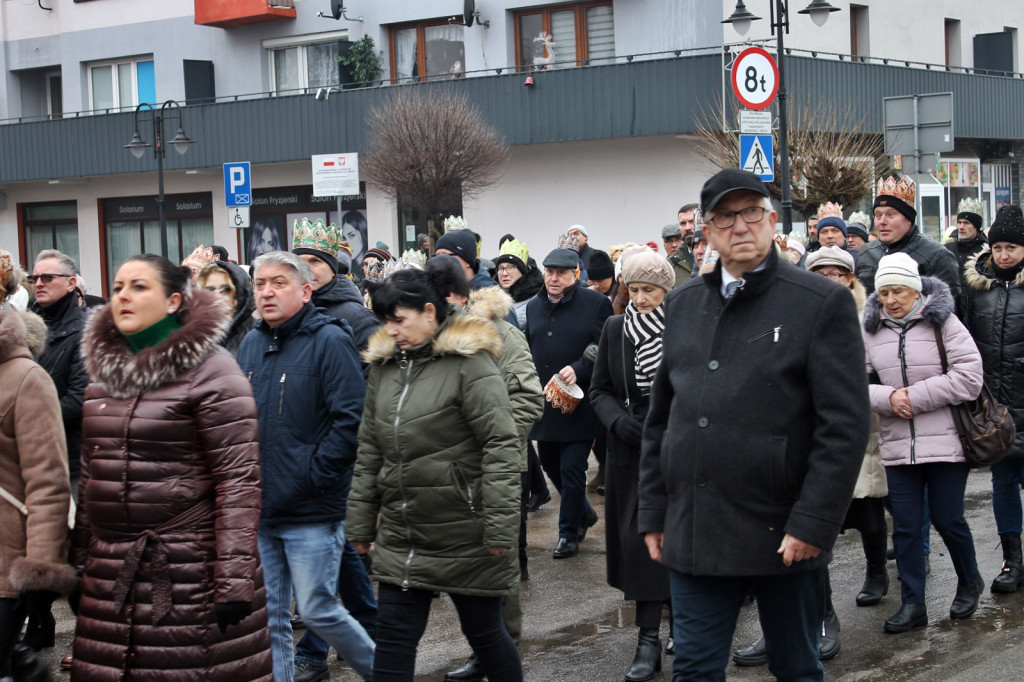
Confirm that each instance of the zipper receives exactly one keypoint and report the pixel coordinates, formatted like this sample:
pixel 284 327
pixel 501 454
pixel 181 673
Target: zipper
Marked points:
pixel 405 364
pixel 280 400
pixel 461 480
pixel 903 371
pixel 775 331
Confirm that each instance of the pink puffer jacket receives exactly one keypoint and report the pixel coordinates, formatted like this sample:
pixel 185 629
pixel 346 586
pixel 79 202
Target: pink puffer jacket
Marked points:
pixel 930 436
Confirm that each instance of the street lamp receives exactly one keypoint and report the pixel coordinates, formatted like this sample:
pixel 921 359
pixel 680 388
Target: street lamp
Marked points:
pixel 741 19
pixel 138 148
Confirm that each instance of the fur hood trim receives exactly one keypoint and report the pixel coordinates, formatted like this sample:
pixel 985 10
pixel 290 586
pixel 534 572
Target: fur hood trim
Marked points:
pixel 978 271
pixel 461 334
pixel 110 361
pixel 32 575
pixel 12 333
pixel 35 333
pixel 490 303
pixel 938 305
pixel 860 294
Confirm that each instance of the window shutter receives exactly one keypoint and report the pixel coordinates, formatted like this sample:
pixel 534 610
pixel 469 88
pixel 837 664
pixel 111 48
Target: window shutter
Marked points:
pixel 600 32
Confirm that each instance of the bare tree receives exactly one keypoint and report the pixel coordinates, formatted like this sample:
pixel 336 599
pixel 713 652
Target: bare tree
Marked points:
pixel 832 156
pixel 430 148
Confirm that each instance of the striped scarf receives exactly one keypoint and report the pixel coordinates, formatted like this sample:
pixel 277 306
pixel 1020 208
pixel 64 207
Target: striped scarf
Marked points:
pixel 645 331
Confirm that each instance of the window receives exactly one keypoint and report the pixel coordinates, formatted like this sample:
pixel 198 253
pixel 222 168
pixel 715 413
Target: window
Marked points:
pixel 579 34
pixel 302 64
pixel 858 31
pixel 54 95
pixel 122 84
pixel 953 42
pixel 427 51
pixel 51 226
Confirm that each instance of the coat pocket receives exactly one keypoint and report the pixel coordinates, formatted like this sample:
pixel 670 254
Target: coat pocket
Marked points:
pixel 778 470
pixel 465 489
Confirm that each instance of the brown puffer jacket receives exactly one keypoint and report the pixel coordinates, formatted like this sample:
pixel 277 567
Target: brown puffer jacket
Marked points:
pixel 169 503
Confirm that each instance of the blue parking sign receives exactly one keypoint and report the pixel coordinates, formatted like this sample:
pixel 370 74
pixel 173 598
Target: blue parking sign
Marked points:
pixel 237 184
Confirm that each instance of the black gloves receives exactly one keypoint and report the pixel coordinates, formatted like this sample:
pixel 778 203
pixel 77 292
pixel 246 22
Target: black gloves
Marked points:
pixel 629 430
pixel 39 600
pixel 231 613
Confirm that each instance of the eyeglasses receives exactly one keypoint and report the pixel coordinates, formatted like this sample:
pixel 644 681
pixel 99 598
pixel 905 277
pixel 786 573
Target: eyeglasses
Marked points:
pixel 45 278
pixel 222 289
pixel 503 269
pixel 726 219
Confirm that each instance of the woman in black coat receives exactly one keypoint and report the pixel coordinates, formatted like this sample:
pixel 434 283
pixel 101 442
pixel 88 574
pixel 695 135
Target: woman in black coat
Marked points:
pixel 627 357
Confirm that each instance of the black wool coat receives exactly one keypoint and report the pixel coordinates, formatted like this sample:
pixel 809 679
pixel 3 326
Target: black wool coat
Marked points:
pixel 758 423
pixel 621 408
pixel 559 334
pixel 933 259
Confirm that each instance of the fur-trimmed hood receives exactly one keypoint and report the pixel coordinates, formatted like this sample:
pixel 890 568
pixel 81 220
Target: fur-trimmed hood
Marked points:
pixel 21 330
pixel 978 271
pixel 460 334
pixel 938 305
pixel 490 303
pixel 110 361
pixel 860 295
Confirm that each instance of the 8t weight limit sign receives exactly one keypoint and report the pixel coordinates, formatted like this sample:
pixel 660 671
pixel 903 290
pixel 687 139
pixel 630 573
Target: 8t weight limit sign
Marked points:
pixel 755 78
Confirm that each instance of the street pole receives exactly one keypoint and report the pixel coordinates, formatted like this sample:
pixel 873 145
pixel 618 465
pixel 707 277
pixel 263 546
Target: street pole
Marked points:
pixel 787 200
pixel 158 149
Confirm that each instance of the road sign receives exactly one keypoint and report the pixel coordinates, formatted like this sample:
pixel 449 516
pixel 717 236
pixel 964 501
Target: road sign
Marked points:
pixel 756 156
pixel 238 216
pixel 237 184
pixel 755 122
pixel 755 78
pixel 335 175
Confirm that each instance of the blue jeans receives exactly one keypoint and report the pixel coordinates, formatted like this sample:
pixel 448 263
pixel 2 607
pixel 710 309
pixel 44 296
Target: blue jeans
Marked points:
pixel 307 558
pixel 566 466
pixel 356 592
pixel 945 483
pixel 1007 481
pixel 791 608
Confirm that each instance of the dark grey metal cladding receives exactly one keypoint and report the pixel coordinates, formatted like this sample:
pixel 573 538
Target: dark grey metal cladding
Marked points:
pixel 642 97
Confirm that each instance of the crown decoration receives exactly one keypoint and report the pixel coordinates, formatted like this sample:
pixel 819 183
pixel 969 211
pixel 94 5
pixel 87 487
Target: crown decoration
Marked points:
pixel 903 189
pixel 859 218
pixel 414 258
pixel 568 241
pixel 6 269
pixel 515 248
pixel 830 210
pixel 698 218
pixel 199 257
pixel 454 222
pixel 373 270
pixel 971 205
pixel 344 246
pixel 317 236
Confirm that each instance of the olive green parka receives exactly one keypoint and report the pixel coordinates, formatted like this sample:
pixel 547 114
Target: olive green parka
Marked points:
pixel 439 462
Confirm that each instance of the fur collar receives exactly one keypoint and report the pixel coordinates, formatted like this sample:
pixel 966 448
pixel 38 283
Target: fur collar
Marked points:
pixel 860 294
pixel 490 303
pixel 12 333
pixel 938 305
pixel 978 271
pixel 461 334
pixel 110 361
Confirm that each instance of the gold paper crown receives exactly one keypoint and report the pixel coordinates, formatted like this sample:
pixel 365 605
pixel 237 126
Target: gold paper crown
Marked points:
pixel 316 236
pixel 454 222
pixel 903 189
pixel 200 257
pixel 414 258
pixel 971 205
pixel 698 218
pixel 515 248
pixel 6 269
pixel 568 241
pixel 830 210
pixel 859 218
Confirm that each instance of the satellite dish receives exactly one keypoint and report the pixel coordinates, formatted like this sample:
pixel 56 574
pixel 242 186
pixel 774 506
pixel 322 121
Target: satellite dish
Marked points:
pixel 468 10
pixel 337 8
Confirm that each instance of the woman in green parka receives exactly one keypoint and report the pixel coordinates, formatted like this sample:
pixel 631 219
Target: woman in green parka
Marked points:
pixel 438 462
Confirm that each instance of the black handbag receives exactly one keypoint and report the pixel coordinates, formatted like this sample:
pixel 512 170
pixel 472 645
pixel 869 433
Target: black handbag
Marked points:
pixel 984 425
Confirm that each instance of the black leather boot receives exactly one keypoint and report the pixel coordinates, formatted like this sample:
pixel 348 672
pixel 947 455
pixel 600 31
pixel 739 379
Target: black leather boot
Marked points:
pixel 909 616
pixel 968 592
pixel 472 671
pixel 26 666
pixel 1011 577
pixel 755 654
pixel 876 581
pixel 828 642
pixel 647 660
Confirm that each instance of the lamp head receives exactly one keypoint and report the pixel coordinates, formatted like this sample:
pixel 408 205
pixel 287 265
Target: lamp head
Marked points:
pixel 819 11
pixel 181 141
pixel 137 146
pixel 741 18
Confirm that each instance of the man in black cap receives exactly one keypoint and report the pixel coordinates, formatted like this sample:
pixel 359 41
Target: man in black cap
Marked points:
pixel 602 275
pixel 753 442
pixel 462 245
pixel 564 322
pixel 700 250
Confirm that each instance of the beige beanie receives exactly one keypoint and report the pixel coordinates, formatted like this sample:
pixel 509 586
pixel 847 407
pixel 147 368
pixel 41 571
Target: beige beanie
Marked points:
pixel 641 264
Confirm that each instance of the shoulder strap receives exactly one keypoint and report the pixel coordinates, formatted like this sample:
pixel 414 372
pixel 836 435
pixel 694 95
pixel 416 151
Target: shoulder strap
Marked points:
pixel 942 348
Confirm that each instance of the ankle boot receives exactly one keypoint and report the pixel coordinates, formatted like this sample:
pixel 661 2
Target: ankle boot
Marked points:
pixel 1011 577
pixel 828 640
pixel 39 633
pixel 909 616
pixel 26 666
pixel 965 603
pixel 876 580
pixel 647 660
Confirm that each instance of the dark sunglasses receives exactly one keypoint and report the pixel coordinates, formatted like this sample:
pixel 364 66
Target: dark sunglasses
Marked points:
pixel 45 278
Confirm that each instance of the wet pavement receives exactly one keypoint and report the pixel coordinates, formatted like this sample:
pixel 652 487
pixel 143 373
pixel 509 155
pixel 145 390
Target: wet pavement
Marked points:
pixel 576 628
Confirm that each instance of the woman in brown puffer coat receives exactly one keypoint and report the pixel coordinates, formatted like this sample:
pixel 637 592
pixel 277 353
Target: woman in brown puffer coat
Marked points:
pixel 169 499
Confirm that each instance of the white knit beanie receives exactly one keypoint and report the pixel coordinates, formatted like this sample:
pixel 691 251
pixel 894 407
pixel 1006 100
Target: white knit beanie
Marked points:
pixel 897 269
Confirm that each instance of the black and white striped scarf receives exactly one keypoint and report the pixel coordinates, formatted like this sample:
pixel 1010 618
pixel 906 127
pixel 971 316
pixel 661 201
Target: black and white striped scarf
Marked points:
pixel 645 331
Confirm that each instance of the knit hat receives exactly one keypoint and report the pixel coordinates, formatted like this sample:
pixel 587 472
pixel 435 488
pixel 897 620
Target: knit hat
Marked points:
pixel 829 255
pixel 515 252
pixel 858 224
pixel 831 215
pixel 1008 226
pixel 897 194
pixel 383 255
pixel 699 236
pixel 971 210
pixel 601 266
pixel 641 265
pixel 344 258
pixel 461 243
pixel 897 269
pixel 580 228
pixel 318 240
pixel 796 246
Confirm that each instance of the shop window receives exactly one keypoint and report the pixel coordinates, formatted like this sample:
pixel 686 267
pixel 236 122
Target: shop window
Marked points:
pixel 579 34
pixel 122 84
pixel 432 50
pixel 305 63
pixel 50 226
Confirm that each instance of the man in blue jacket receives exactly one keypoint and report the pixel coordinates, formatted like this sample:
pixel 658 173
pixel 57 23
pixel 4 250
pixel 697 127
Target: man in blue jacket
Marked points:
pixel 309 391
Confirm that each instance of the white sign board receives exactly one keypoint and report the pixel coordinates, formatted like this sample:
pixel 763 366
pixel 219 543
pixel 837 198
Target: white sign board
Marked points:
pixel 335 175
pixel 238 216
pixel 755 78
pixel 755 122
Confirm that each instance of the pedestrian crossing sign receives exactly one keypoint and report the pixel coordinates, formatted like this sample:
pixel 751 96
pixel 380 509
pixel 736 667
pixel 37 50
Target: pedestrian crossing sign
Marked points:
pixel 757 157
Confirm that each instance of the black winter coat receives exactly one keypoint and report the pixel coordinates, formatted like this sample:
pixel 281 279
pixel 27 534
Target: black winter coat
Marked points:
pixel 995 317
pixel 933 260
pixel 242 320
pixel 559 335
pixel 621 408
pixel 758 423
pixel 342 300
pixel 62 360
